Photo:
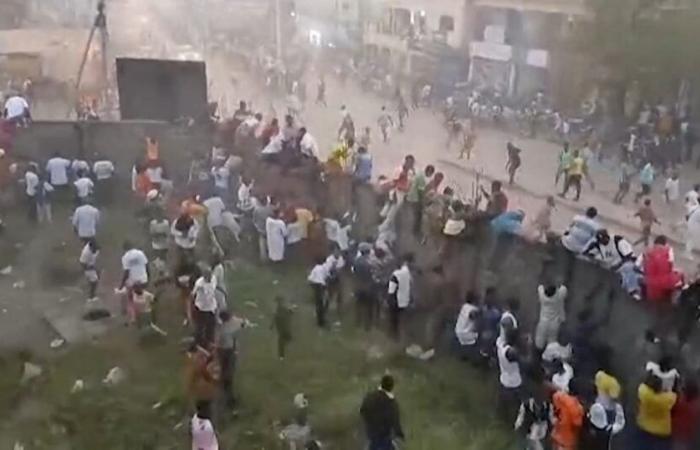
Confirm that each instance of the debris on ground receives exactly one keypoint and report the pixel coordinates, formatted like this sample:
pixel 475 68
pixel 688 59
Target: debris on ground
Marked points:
pixel 30 372
pixel 6 270
pixel 157 405
pixel 251 304
pixel 178 426
pixel 56 343
pixel 18 446
pixel 427 355
pixel 374 352
pixel 19 284
pixel 115 376
pixel 78 386
pixel 417 352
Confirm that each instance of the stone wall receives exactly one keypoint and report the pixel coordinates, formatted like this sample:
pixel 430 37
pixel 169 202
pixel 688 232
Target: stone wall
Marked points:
pixel 122 142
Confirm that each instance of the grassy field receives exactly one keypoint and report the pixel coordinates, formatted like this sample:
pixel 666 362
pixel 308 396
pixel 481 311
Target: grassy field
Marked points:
pixel 445 404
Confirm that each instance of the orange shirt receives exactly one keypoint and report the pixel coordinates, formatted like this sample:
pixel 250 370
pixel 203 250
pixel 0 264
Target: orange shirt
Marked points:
pixel 569 414
pixel 152 150
pixel 193 208
pixel 143 184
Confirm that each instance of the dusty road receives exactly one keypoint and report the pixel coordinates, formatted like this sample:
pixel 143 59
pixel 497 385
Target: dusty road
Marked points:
pixel 424 137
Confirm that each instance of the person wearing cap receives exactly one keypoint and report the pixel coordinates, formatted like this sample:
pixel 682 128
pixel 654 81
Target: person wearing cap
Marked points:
pixel 606 417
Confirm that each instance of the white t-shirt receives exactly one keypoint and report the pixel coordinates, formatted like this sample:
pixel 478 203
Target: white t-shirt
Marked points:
pixel 135 261
pixel 668 379
pixel 203 435
pixel 673 189
pixel 308 146
pixel 31 182
pixel 204 293
pixel 186 240
pixel 561 380
pixel 466 329
pixel 16 106
pixel 245 201
pixel 88 258
pixel 509 370
pixel 79 165
pixel 103 170
pixel 155 174
pixel 221 176
pixel 85 220
pixel 691 200
pixel 215 207
pixel 319 274
pixel 400 285
pixel 58 170
pixel 83 187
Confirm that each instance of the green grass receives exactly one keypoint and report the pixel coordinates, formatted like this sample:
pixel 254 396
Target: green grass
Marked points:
pixel 445 404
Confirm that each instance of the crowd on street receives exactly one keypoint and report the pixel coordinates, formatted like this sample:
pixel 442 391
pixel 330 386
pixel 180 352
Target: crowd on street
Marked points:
pixel 557 385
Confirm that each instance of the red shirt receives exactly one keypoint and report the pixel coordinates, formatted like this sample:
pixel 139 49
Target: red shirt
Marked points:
pixel 685 418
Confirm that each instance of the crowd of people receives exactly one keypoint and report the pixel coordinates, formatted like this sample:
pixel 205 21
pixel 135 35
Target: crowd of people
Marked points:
pixel 557 385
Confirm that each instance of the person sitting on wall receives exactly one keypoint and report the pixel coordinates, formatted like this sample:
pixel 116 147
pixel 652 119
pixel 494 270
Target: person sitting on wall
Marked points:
pixel 661 277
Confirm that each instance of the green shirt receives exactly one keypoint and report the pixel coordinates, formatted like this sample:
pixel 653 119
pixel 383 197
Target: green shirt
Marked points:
pixel 565 160
pixel 417 188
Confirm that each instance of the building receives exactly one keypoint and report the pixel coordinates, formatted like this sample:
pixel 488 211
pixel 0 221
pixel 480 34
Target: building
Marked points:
pixel 420 39
pixel 519 46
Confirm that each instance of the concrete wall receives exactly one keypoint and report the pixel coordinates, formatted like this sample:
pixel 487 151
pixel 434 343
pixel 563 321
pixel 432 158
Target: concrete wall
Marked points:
pixel 123 142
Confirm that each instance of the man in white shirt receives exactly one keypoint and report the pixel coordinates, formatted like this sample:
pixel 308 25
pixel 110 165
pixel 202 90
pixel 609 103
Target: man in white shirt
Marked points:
pixel 88 260
pixel 307 144
pixel 57 167
pixel 318 279
pixel 276 235
pixel 399 294
pixel 552 314
pixel 691 199
pixel 78 166
pixel 103 169
pixel 85 220
pixel 215 208
pixel 672 188
pixel 245 199
pixel 83 187
pixel 467 327
pixel 31 186
pixel 205 306
pixel 135 266
pixel 221 175
pixel 17 109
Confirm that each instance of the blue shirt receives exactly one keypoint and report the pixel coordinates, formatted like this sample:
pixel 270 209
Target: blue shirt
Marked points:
pixel 363 167
pixel 646 176
pixel 509 222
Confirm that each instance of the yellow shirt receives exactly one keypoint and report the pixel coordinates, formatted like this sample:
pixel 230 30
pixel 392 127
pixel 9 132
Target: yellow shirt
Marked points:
pixel 304 218
pixel 577 166
pixel 654 415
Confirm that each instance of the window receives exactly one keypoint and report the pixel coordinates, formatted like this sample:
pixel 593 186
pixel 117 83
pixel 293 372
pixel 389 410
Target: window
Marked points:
pixel 447 23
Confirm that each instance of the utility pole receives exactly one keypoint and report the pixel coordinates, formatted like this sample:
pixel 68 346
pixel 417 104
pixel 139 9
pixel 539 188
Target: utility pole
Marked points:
pixel 99 25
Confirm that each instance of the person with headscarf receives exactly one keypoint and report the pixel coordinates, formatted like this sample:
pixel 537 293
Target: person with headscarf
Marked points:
pixel 606 417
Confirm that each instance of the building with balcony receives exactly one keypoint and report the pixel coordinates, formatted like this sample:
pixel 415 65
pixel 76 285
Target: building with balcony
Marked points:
pixel 420 39
pixel 519 47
